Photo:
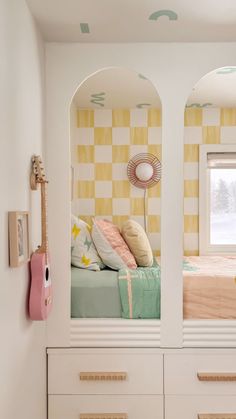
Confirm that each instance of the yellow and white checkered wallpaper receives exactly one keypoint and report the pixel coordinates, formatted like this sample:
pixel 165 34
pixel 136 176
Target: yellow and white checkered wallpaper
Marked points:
pixel 102 144
pixel 104 140
pixel 202 126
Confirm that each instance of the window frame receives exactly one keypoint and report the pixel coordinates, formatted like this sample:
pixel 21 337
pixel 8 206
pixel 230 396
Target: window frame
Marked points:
pixel 205 248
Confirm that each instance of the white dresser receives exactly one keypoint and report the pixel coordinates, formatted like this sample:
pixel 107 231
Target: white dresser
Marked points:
pixel 200 385
pixel 141 383
pixel 105 383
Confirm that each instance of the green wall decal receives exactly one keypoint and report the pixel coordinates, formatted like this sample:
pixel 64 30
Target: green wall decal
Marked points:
pixel 97 98
pixel 169 13
pixel 84 27
pixel 142 77
pixel 143 105
pixel 227 70
pixel 97 103
pixel 98 95
pixel 198 105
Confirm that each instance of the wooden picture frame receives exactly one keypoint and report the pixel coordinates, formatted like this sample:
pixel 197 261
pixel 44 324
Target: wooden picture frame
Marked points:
pixel 18 237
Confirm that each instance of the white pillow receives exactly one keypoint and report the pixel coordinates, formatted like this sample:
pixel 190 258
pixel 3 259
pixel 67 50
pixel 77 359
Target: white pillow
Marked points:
pixel 83 252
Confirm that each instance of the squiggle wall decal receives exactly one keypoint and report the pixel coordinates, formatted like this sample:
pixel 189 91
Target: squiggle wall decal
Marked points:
pixel 226 70
pixel 142 77
pixel 97 98
pixel 198 105
pixel 142 105
pixel 169 13
pixel 84 27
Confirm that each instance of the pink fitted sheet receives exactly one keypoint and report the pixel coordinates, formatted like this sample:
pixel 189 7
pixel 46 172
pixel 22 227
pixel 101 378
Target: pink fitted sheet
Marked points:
pixel 209 287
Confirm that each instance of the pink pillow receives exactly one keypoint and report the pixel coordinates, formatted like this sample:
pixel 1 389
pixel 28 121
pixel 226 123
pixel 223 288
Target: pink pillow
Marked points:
pixel 111 246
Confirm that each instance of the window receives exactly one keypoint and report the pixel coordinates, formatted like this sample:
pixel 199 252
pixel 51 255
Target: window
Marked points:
pixel 217 199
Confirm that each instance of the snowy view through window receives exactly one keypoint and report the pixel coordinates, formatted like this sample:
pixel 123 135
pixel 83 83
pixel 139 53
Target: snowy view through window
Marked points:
pixel 223 206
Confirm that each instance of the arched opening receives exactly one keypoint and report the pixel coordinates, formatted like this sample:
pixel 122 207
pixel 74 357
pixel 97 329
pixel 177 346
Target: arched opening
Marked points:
pixel 210 198
pixel 115 116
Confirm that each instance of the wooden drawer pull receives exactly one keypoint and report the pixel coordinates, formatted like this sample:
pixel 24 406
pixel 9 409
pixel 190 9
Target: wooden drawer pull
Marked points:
pixel 103 416
pixel 216 376
pixel 103 376
pixel 217 416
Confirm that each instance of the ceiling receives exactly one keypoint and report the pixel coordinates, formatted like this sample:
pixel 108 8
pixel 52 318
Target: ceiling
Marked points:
pixel 122 88
pixel 135 20
pixel 141 21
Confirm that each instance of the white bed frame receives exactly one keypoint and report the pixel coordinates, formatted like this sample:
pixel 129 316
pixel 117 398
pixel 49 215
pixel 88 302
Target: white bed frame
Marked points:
pixel 171 68
pixel 120 333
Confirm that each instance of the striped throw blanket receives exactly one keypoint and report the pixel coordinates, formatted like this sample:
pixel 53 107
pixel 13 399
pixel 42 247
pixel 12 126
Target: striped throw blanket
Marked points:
pixel 140 293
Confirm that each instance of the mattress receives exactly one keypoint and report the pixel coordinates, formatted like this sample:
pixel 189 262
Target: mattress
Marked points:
pixel 209 290
pixel 209 284
pixel 95 294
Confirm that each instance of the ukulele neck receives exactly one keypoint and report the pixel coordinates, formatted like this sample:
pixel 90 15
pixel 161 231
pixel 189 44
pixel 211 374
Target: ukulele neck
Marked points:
pixel 44 224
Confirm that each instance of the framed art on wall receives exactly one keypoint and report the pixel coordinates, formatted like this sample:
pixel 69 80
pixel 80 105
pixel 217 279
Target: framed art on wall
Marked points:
pixel 18 237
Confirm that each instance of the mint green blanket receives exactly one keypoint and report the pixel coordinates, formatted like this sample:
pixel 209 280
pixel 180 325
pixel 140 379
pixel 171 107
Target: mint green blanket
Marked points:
pixel 140 293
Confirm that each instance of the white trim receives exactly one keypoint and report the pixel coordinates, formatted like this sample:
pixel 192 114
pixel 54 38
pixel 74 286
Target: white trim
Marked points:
pixel 111 333
pixel 170 351
pixel 172 209
pixel 124 333
pixel 209 333
pixel 205 248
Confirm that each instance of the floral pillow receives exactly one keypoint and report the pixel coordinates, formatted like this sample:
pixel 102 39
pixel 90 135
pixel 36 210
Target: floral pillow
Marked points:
pixel 83 252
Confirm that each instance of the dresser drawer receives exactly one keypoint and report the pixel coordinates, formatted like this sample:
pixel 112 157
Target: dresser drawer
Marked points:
pixel 200 374
pixel 200 407
pixel 103 371
pixel 105 407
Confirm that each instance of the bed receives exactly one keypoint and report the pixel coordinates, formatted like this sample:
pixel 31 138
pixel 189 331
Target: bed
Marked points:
pixel 94 294
pixel 128 293
pixel 209 287
pixel 209 290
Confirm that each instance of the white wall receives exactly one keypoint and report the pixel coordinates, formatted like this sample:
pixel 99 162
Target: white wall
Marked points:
pixel 173 69
pixel 73 126
pixel 22 342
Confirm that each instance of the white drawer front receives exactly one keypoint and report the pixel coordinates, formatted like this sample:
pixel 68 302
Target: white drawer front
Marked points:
pixel 119 407
pixel 200 407
pixel 215 374
pixel 105 372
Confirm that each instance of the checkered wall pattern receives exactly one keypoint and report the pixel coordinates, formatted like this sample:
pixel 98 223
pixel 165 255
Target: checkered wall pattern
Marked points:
pixel 103 143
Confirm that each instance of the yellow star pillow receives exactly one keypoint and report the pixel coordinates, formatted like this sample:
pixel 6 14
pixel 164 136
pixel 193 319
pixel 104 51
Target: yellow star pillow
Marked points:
pixel 83 252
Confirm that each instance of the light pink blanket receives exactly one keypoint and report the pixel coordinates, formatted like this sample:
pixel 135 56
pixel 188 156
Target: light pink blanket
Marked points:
pixel 209 287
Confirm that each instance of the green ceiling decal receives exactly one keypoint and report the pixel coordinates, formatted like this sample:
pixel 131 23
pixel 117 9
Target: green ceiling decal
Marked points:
pixel 84 27
pixel 198 105
pixel 142 77
pixel 169 13
pixel 97 98
pixel 227 70
pixel 143 105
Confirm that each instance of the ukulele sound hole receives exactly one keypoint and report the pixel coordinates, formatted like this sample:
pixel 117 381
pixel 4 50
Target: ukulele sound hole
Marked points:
pixel 47 274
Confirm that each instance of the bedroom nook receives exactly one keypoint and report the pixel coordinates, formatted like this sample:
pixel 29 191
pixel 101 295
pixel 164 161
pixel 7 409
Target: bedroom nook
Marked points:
pixel 118 180
pixel 116 198
pixel 209 292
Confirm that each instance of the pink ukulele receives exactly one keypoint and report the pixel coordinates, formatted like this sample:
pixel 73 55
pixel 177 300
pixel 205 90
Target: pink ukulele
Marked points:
pixel 40 300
